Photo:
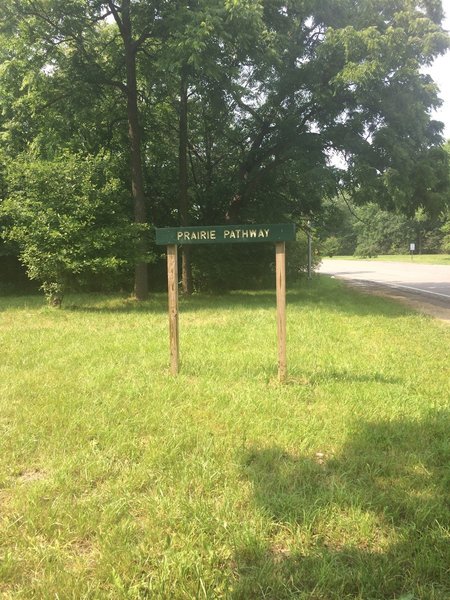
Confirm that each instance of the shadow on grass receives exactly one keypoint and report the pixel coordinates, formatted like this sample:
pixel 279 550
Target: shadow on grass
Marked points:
pixel 371 523
pixel 333 375
pixel 320 293
pixel 158 302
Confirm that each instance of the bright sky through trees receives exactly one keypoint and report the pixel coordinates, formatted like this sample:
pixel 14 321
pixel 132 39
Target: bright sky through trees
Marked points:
pixel 440 72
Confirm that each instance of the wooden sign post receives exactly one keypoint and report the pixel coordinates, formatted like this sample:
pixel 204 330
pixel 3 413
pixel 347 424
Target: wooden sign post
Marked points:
pixel 173 236
pixel 174 335
pixel 280 268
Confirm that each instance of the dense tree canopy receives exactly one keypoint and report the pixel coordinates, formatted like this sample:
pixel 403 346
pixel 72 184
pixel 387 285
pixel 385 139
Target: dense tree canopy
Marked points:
pixel 224 110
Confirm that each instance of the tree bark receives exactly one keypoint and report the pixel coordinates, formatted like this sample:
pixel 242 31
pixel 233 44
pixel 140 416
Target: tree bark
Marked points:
pixel 186 266
pixel 134 135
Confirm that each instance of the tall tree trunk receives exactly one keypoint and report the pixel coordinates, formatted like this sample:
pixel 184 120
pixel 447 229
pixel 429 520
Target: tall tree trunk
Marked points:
pixel 186 267
pixel 134 135
pixel 137 178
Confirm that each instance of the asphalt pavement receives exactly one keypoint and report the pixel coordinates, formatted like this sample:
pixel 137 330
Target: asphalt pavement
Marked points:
pixel 431 280
pixel 425 285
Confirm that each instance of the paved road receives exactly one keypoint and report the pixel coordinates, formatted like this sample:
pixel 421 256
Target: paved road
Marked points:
pixel 432 281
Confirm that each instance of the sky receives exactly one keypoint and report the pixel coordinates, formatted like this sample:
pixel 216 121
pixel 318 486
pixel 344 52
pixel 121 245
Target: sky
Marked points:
pixel 440 71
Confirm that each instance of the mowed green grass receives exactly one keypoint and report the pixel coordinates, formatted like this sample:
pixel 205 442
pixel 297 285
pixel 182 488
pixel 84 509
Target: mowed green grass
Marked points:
pixel 423 259
pixel 120 481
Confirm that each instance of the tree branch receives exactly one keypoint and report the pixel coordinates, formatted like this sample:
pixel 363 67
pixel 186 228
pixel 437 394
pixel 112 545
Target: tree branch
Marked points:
pixel 102 17
pixel 115 13
pixel 145 35
pixel 246 107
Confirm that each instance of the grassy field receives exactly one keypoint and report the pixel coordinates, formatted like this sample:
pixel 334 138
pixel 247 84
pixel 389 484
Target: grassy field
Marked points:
pixel 423 259
pixel 120 482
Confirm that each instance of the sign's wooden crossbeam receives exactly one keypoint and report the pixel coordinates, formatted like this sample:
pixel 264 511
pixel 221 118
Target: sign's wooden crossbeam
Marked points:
pixel 173 236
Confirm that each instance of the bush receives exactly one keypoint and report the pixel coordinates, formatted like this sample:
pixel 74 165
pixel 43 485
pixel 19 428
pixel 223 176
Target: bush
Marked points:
pixel 366 250
pixel 218 268
pixel 70 220
pixel 446 244
pixel 445 229
pixel 13 276
pixel 330 246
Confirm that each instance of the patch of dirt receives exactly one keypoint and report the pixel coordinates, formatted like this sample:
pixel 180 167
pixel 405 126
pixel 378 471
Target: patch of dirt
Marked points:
pixel 439 309
pixel 85 555
pixel 280 553
pixel 31 475
pixel 4 499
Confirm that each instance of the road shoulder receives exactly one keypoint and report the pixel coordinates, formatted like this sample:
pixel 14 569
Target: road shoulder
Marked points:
pixel 419 302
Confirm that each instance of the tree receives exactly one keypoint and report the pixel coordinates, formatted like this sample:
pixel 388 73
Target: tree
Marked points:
pixel 76 36
pixel 67 217
pixel 330 246
pixel 234 109
pixel 339 77
pixel 368 230
pixel 445 229
pixel 445 226
pixel 132 42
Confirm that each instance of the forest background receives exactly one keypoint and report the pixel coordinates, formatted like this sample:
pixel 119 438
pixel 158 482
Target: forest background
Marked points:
pixel 119 116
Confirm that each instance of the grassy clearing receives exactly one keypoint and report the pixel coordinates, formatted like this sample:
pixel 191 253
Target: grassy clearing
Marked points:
pixel 423 259
pixel 117 481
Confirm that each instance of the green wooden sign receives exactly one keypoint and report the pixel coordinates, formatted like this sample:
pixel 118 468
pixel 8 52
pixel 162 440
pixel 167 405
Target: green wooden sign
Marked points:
pixel 223 234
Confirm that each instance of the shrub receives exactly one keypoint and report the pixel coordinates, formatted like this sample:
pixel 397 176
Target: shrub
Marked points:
pixel 219 268
pixel 330 246
pixel 366 250
pixel 70 219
